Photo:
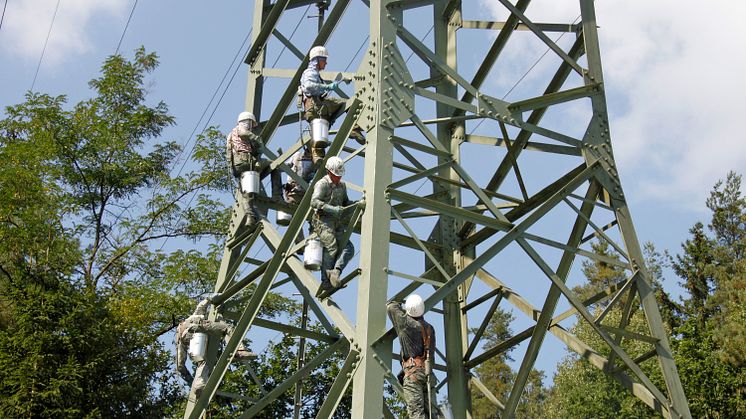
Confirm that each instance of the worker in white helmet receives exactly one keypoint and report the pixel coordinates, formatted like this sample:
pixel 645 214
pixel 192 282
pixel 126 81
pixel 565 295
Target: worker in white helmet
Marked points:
pixel 329 199
pixel 244 149
pixel 316 99
pixel 216 330
pixel 417 340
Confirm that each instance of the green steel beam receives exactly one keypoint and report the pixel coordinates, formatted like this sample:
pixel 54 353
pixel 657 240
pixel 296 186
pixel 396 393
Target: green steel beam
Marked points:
pixel 539 34
pixel 448 209
pixel 544 27
pixel 338 388
pixel 583 350
pixel 267 27
pixel 298 375
pixel 555 98
pixel 531 146
pixel 494 52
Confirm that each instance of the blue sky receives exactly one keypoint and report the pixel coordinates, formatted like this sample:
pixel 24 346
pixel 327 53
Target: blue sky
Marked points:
pixel 673 74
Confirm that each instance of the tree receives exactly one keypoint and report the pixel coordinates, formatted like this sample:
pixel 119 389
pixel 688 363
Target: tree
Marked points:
pixel 709 344
pixel 728 224
pixel 582 390
pixel 80 285
pixel 498 376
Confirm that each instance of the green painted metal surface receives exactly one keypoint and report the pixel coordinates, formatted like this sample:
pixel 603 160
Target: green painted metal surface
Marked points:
pixel 440 218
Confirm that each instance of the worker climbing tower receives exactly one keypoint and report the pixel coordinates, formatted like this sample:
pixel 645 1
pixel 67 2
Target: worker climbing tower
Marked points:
pixel 478 194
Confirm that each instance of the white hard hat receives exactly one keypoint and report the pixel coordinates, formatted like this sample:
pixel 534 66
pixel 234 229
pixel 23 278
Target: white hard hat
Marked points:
pixel 194 318
pixel 243 116
pixel 318 51
pixel 414 306
pixel 336 166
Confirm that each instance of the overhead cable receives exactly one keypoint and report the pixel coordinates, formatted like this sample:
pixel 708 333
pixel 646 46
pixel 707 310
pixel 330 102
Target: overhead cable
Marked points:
pixel 527 72
pixel 33 83
pixel 125 27
pixel 3 17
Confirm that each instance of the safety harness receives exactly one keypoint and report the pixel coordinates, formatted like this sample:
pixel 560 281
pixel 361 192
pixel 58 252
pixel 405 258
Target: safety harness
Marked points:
pixel 418 361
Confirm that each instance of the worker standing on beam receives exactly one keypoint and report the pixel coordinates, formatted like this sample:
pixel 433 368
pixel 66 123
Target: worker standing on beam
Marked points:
pixel 330 199
pixel 316 99
pixel 192 335
pixel 417 340
pixel 243 148
pixel 303 164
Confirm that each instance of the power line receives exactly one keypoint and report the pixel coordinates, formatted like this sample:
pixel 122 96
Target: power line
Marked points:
pixel 526 73
pixel 125 27
pixel 3 17
pixel 238 53
pixel 45 44
pixel 225 90
pixel 291 35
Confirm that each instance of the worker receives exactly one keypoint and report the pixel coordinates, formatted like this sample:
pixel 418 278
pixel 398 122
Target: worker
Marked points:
pixel 329 199
pixel 244 149
pixel 316 99
pixel 214 329
pixel 417 340
pixel 303 164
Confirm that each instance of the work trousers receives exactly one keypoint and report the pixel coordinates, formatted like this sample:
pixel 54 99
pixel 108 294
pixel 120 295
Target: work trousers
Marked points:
pixel 331 257
pixel 244 162
pixel 329 108
pixel 415 392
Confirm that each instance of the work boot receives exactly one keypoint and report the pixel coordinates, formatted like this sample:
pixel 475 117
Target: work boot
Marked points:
pixel 357 135
pixel 333 275
pixel 245 354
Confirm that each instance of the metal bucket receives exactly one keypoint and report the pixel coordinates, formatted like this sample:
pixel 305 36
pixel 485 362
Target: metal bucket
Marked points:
pixel 312 255
pixel 250 182
pixel 320 132
pixel 283 218
pixel 198 347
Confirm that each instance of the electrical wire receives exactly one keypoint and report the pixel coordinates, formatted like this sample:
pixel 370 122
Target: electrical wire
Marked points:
pixel 356 53
pixel 3 17
pixel 33 83
pixel 125 28
pixel 291 35
pixel 527 72
pixel 227 86
pixel 204 112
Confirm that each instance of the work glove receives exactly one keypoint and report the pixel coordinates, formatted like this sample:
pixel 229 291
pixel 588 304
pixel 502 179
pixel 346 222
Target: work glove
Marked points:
pixel 333 85
pixel 332 210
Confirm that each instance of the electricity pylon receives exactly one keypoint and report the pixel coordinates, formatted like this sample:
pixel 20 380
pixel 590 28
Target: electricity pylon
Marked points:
pixel 505 215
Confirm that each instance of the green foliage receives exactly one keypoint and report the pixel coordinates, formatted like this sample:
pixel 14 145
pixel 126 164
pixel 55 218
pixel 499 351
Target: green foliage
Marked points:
pixel 715 389
pixel 708 336
pixel 582 390
pixel 498 377
pixel 84 300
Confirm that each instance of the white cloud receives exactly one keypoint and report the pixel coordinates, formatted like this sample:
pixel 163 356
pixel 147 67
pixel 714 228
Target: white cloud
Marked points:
pixel 674 80
pixel 679 79
pixel 27 23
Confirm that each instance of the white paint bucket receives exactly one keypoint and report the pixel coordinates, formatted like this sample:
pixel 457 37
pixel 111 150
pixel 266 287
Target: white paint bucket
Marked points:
pixel 250 182
pixel 320 132
pixel 198 347
pixel 312 255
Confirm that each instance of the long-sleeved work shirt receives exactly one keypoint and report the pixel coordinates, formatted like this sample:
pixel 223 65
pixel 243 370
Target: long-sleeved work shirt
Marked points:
pixel 410 332
pixel 311 83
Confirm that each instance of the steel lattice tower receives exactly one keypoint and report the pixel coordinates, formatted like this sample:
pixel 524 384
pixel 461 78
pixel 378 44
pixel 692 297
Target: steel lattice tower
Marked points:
pixel 532 193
